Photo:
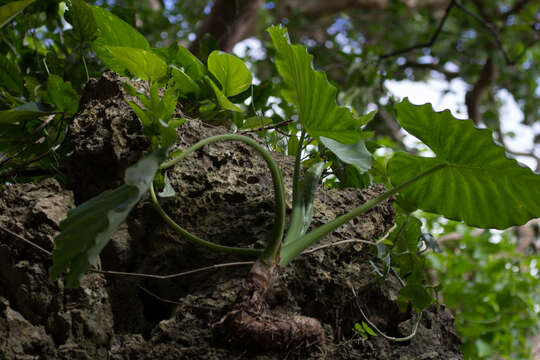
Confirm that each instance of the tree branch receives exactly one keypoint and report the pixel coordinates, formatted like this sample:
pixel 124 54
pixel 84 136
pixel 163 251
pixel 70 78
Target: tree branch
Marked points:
pixel 427 44
pixel 313 9
pixel 473 98
pixel 490 29
pixel 267 127
pixel 431 66
pixel 516 8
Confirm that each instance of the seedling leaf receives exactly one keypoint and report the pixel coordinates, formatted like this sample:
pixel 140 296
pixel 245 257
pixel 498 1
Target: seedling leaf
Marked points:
pixel 140 63
pixel 230 71
pixel 221 98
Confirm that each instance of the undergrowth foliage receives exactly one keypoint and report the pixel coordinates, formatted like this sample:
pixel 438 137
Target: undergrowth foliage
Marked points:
pixel 470 179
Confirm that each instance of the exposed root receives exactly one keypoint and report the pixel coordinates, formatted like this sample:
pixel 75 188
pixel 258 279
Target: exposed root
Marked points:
pixel 252 325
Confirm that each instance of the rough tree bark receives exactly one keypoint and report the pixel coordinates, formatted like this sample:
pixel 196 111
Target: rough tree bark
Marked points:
pixel 223 194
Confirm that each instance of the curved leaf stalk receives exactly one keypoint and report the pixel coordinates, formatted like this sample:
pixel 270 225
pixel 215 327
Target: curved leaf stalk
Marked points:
pixel 292 249
pixel 271 252
pixel 210 245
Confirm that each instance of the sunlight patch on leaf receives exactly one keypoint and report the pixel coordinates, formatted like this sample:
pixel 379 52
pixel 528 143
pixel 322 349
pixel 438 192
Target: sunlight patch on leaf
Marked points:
pixel 140 63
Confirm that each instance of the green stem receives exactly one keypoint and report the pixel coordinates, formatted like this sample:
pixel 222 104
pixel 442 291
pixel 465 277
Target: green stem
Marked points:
pixel 296 223
pixel 85 67
pixel 292 249
pixel 271 252
pixel 296 175
pixel 196 239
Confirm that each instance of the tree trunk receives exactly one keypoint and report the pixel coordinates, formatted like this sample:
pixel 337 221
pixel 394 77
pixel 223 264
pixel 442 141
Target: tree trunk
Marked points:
pixel 224 195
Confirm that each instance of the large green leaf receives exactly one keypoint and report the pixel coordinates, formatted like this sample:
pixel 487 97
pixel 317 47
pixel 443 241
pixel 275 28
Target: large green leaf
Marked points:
pixel 477 184
pixel 230 71
pixel 88 227
pixel 10 77
pixel 114 31
pixel 355 154
pixel 81 16
pixel 140 63
pixel 311 93
pixel 12 9
pixel 24 112
pixel 62 95
pixel 183 82
pixel 182 58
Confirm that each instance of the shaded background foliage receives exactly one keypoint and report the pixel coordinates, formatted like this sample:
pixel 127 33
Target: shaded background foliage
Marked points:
pixel 488 279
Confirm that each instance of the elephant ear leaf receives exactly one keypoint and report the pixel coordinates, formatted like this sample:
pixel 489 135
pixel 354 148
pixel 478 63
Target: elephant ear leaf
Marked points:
pixel 477 184
pixel 88 228
pixel 311 93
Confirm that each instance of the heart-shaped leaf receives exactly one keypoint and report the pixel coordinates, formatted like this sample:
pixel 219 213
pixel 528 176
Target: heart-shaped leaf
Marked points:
pixel 311 93
pixel 113 33
pixel 183 82
pixel 230 71
pixel 477 184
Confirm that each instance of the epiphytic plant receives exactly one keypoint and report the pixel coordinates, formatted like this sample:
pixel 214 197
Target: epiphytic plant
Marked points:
pixel 469 179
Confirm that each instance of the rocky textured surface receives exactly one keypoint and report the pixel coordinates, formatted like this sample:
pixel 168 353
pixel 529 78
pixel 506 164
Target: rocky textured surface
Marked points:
pixel 40 319
pixel 224 194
